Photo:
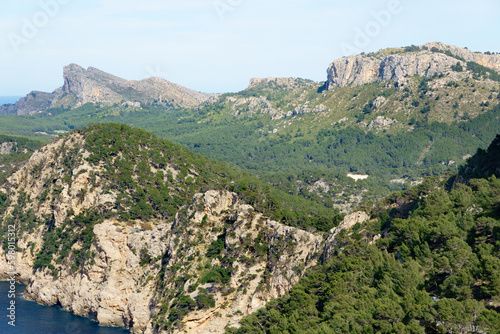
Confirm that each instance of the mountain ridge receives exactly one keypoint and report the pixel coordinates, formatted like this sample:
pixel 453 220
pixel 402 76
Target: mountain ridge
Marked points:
pixel 288 125
pixel 96 86
pixel 398 64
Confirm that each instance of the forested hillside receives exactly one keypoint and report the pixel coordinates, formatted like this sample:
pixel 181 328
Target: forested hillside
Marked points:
pixel 229 203
pixel 428 262
pixel 484 163
pixel 178 237
pixel 173 239
pixel 295 132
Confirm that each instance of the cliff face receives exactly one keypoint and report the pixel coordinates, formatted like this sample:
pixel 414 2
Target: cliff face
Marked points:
pixel 117 290
pixel 379 67
pixel 360 70
pixel 93 85
pixel 214 262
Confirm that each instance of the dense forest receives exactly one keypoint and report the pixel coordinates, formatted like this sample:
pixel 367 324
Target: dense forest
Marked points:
pixel 434 267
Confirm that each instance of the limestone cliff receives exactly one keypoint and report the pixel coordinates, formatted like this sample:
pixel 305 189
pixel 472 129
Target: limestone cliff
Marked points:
pixel 397 65
pixel 213 261
pixel 95 86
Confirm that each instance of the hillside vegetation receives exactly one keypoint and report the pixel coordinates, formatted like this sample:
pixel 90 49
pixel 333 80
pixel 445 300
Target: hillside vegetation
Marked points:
pixel 14 151
pixel 153 178
pixel 434 267
pixel 136 177
pixel 119 204
pixel 168 236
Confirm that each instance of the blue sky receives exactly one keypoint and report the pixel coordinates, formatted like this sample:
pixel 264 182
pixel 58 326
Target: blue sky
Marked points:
pixel 218 45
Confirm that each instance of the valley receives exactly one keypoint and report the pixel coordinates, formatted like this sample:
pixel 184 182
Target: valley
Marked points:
pixel 435 109
pixel 365 203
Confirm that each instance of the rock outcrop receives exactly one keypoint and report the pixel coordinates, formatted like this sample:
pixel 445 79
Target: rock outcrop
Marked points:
pixel 7 147
pixel 256 99
pixel 95 86
pixel 379 67
pixel 360 70
pixel 140 273
pixel 489 60
pixel 261 105
pixel 381 122
pixel 348 223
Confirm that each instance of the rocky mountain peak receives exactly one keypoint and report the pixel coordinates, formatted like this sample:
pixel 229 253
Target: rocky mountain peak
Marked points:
pixel 71 73
pixel 76 79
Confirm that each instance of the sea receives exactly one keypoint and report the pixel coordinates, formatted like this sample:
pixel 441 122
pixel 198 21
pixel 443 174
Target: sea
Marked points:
pixel 31 318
